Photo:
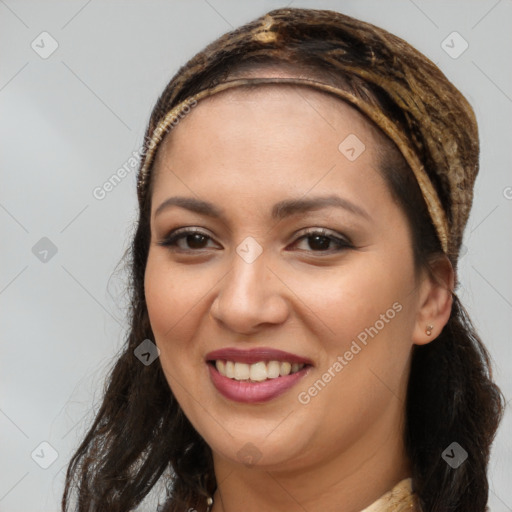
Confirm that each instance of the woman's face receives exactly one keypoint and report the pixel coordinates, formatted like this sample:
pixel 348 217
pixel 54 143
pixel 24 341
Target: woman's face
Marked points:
pixel 332 286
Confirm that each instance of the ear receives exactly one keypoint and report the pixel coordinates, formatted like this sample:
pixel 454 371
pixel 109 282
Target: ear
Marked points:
pixel 435 300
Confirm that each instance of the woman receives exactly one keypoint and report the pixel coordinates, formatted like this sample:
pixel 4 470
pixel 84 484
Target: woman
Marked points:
pixel 304 189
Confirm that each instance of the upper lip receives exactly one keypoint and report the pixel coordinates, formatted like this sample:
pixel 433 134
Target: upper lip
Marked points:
pixel 254 355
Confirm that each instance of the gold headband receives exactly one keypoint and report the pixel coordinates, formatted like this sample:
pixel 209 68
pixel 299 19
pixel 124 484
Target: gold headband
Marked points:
pixel 430 195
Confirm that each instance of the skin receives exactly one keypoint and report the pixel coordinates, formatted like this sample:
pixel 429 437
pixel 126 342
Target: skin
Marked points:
pixel 244 152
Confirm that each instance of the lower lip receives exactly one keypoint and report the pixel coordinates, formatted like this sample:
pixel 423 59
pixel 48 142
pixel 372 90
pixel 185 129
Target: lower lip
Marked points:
pixel 254 392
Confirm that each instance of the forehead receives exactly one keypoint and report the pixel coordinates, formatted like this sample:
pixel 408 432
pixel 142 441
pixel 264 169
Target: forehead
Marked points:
pixel 303 110
pixel 269 142
pixel 251 148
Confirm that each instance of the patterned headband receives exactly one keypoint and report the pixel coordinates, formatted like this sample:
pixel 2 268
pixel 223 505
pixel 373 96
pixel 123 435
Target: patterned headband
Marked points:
pixel 407 97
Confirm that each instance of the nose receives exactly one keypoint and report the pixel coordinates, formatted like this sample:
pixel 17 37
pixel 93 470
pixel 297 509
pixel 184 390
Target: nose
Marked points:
pixel 251 296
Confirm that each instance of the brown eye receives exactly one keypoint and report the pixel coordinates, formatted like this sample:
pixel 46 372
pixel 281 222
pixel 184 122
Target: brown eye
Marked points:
pixel 194 239
pixel 320 240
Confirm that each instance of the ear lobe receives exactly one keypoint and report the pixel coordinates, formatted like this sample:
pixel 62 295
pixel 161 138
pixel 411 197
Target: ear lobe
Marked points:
pixel 435 302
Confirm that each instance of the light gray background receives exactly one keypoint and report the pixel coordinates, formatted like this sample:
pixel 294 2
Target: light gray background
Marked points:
pixel 69 121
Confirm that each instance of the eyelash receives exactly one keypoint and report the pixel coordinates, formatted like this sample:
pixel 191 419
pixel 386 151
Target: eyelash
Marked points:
pixel 171 239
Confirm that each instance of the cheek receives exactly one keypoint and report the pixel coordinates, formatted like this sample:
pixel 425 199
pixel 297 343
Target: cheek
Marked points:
pixel 364 322
pixel 344 301
pixel 170 294
pixel 364 318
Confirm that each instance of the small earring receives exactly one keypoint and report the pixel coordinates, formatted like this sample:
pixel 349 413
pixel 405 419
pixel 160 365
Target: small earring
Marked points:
pixel 428 330
pixel 209 503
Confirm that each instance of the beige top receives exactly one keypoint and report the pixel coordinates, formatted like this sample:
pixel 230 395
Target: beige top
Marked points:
pixel 399 499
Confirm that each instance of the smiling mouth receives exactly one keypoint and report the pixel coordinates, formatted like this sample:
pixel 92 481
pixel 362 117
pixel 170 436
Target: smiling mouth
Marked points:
pixel 256 372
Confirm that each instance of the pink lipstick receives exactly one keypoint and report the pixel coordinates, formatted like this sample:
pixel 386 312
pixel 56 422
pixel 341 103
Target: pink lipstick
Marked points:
pixel 255 375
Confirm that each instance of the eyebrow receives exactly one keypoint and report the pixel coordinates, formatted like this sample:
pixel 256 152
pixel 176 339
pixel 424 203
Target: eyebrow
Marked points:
pixel 280 210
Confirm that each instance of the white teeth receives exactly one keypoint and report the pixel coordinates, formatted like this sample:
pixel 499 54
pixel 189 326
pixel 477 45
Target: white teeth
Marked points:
pixel 273 369
pixel 242 371
pixel 256 372
pixel 221 366
pixel 230 370
pixel 285 369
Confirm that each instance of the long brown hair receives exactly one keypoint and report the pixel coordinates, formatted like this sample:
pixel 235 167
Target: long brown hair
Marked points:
pixel 140 434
